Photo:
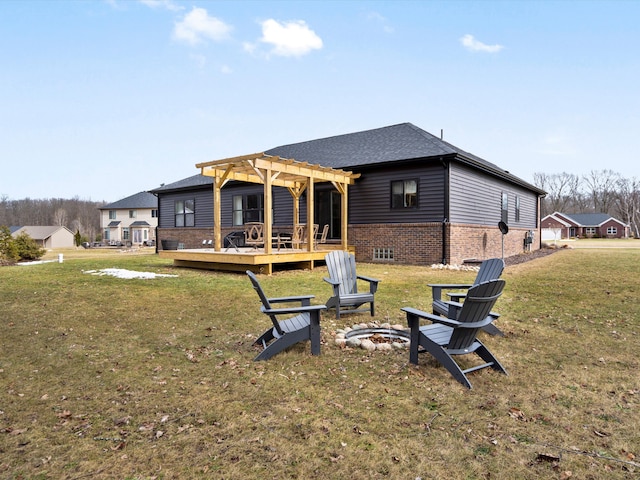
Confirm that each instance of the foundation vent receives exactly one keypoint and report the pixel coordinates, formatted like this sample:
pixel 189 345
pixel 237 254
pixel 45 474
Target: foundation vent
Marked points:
pixel 383 254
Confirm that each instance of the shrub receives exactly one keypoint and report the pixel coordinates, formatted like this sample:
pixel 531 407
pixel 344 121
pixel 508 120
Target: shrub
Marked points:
pixel 27 247
pixel 8 250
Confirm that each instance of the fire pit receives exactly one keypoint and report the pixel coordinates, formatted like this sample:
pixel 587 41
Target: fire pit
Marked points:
pixel 373 336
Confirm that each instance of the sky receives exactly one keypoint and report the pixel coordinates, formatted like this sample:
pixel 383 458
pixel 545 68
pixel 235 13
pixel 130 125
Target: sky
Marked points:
pixel 103 99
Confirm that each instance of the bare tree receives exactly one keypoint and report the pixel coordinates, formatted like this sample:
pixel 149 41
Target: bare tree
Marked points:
pixel 562 190
pixel 74 213
pixel 60 217
pixel 602 188
pixel 627 203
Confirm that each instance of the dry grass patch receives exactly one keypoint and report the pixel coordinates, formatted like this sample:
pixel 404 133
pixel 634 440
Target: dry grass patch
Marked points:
pixel 103 377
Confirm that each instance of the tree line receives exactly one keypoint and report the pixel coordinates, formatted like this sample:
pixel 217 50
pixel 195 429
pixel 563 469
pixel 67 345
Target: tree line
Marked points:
pixel 603 191
pixel 77 215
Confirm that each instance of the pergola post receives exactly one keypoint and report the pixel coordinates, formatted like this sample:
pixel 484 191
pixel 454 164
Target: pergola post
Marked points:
pixel 310 214
pixel 344 204
pixel 217 215
pixel 268 210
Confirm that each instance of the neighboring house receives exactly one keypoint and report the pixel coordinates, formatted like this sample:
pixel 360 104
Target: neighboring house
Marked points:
pixel 48 236
pixel 130 221
pixel 558 226
pixel 419 200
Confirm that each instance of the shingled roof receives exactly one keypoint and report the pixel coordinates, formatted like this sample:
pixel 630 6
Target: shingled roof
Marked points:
pixel 189 182
pixel 40 232
pixel 139 200
pixel 590 219
pixel 402 142
pixel 356 151
pixel 381 145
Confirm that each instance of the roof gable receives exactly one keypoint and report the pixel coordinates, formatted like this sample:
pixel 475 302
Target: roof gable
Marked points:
pixel 558 217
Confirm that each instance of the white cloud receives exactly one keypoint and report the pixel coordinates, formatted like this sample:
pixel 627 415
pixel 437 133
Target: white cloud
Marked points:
pixel 166 4
pixel 289 39
pixel 226 69
pixel 197 25
pixel 380 20
pixel 470 43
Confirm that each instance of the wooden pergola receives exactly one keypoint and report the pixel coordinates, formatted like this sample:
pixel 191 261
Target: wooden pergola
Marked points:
pixel 270 171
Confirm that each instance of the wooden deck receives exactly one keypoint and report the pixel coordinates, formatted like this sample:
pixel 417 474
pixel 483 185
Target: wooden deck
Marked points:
pixel 247 258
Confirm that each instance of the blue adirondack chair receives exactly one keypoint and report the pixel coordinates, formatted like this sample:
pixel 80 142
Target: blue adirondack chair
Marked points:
pixel 457 335
pixel 490 269
pixel 302 326
pixel 344 280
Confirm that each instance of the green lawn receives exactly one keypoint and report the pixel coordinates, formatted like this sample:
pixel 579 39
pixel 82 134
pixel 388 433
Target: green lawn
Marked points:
pixel 103 377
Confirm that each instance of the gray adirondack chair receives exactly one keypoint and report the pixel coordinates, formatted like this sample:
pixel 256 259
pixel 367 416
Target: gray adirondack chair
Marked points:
pixel 303 325
pixel 344 280
pixel 448 337
pixel 490 269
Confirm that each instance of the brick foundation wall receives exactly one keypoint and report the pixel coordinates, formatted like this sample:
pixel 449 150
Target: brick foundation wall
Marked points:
pixel 412 243
pixel 481 242
pixel 191 237
pixel 421 243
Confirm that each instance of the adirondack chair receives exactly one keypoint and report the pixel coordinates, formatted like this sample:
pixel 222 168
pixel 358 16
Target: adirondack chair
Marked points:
pixel 490 269
pixel 457 335
pixel 344 280
pixel 304 325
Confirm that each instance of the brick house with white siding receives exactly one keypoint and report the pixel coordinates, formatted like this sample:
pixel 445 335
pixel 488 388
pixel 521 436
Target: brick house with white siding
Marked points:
pixel 130 221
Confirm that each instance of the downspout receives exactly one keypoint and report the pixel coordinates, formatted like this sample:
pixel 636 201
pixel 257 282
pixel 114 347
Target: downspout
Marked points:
pixel 445 208
pixel 158 225
pixel 539 221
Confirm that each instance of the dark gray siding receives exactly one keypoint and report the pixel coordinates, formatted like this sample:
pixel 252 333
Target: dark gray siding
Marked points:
pixel 282 203
pixel 476 199
pixel 203 207
pixel 370 196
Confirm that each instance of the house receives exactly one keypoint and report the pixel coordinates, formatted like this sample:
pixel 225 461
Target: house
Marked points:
pixel 130 221
pixel 417 200
pixel 47 236
pixel 558 226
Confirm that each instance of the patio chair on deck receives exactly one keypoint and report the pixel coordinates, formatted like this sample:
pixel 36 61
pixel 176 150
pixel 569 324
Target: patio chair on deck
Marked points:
pixel 344 280
pixel 299 237
pixel 304 325
pixel 254 234
pixel 490 269
pixel 323 235
pixel 448 337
